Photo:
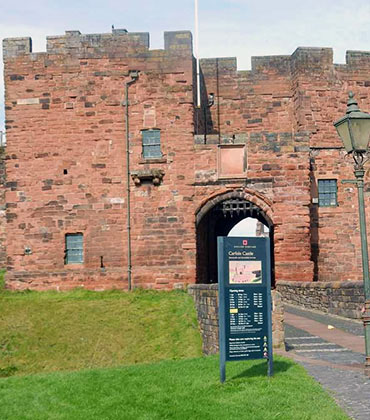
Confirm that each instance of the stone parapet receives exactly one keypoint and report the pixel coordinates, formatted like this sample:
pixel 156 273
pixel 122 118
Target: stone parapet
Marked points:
pixel 206 303
pixel 13 47
pixel 358 58
pixel 119 43
pixel 303 59
pixel 311 58
pixel 344 298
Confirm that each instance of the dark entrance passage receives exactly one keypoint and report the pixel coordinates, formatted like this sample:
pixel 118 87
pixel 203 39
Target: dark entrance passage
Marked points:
pixel 219 221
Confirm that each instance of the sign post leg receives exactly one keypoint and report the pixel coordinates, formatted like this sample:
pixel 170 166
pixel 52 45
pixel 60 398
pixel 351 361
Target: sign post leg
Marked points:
pixel 222 371
pixel 270 362
pixel 270 367
pixel 221 309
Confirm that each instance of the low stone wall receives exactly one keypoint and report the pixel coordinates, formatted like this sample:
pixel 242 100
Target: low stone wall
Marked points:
pixel 67 279
pixel 206 302
pixel 338 298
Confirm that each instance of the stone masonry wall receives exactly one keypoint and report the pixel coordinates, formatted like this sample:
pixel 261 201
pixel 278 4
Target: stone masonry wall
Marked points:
pixel 335 236
pixel 2 209
pixel 303 94
pixel 338 298
pixel 335 231
pixel 206 303
pixel 277 180
pixel 66 158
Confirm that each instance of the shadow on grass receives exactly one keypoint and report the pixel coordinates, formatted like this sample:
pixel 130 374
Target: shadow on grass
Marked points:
pixel 8 371
pixel 260 369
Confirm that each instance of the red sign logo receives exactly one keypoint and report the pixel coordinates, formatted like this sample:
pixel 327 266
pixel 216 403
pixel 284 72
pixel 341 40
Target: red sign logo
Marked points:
pixel 245 242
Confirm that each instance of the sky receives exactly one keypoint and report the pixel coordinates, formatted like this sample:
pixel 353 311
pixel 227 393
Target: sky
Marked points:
pixel 241 28
pixel 246 227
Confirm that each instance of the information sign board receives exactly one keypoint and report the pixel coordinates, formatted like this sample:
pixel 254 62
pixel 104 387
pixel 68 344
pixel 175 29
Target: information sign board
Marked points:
pixel 244 282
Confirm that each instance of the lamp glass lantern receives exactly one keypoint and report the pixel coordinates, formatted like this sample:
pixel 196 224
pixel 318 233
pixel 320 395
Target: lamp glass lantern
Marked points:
pixel 354 128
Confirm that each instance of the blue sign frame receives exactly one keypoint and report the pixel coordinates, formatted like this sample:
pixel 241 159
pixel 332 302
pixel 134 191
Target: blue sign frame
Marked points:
pixel 245 307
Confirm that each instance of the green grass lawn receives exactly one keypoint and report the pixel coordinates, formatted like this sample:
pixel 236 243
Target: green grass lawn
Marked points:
pixel 183 389
pixel 49 331
pixel 134 356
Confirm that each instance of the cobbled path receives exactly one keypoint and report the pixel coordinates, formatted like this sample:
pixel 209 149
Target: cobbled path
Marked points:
pixel 338 369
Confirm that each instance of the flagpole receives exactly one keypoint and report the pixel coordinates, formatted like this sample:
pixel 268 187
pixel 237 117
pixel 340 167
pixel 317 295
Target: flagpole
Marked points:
pixel 197 51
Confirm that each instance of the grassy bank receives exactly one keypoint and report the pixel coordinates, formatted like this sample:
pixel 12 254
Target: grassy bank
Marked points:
pixel 44 332
pixel 125 353
pixel 186 389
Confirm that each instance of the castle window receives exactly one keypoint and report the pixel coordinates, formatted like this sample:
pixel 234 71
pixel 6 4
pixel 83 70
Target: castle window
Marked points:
pixel 73 248
pixel 327 192
pixel 151 144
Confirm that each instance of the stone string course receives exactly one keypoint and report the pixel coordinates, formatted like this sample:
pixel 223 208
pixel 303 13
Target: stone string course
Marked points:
pixel 206 303
pixel 335 297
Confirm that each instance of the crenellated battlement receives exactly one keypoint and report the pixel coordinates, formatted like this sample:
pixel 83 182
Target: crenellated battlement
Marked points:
pixel 118 43
pixel 121 43
pixel 303 59
pixel 358 58
pixel 13 47
pixel 74 42
pixel 311 59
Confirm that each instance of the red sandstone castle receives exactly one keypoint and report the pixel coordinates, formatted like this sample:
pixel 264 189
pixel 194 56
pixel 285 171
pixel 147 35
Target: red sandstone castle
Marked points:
pixel 83 209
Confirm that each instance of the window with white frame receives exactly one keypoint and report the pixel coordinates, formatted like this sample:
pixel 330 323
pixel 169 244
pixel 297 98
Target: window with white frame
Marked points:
pixel 74 248
pixel 327 192
pixel 151 144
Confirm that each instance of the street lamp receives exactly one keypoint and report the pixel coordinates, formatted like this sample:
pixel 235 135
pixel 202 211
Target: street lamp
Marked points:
pixel 354 131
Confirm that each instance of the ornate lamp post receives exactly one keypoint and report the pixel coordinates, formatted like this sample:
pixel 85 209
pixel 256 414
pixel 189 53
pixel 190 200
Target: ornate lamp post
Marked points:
pixel 354 131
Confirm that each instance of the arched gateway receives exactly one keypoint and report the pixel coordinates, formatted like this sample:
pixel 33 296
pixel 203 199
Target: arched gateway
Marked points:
pixel 216 217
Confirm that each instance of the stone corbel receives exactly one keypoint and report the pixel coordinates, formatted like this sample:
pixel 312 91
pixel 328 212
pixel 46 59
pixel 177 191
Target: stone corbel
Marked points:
pixel 154 175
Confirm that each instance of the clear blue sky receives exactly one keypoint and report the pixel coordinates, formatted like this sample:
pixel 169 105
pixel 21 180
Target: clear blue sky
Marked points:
pixel 240 28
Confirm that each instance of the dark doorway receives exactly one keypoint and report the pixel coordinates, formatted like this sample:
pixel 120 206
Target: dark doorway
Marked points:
pixel 219 221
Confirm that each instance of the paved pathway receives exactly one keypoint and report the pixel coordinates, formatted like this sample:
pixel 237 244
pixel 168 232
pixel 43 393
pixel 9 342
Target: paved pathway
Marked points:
pixel 333 356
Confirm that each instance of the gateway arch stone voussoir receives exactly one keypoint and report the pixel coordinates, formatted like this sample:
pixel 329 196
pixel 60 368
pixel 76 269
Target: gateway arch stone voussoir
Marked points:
pixel 249 195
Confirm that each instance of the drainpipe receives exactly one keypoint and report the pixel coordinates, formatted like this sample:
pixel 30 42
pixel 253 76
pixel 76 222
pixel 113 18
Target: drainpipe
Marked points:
pixel 134 74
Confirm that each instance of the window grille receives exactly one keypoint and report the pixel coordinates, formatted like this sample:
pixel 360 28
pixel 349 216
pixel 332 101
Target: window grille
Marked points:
pixel 74 248
pixel 327 192
pixel 151 144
